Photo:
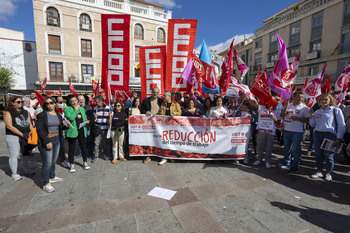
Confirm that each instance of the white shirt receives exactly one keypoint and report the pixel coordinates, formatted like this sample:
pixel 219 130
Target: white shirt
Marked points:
pixel 221 112
pixel 299 111
pixel 266 123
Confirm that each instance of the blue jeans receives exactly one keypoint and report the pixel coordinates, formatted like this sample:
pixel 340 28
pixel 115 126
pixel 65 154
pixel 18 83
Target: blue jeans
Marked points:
pixel 291 142
pixel 321 154
pixel 49 158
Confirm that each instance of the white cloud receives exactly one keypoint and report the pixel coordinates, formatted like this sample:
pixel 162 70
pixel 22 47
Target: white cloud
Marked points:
pixel 7 9
pixel 166 3
pixel 225 45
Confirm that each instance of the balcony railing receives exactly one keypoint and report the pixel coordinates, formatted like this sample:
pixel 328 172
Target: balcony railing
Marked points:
pixel 128 8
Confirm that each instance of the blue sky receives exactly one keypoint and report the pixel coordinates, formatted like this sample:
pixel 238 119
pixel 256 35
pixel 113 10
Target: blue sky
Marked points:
pixel 218 21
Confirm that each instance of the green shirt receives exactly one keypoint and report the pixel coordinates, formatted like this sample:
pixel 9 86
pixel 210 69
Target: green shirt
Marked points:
pixel 71 114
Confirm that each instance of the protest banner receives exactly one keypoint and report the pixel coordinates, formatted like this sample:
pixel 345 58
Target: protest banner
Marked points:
pixel 152 67
pixel 115 30
pixel 181 40
pixel 188 137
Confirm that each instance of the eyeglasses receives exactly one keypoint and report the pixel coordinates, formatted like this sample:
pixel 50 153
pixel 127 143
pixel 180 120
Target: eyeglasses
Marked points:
pixel 49 103
pixel 19 102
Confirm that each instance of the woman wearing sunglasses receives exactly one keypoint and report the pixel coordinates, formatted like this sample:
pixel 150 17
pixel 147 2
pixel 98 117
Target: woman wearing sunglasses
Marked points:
pixel 49 126
pixel 18 126
pixel 118 120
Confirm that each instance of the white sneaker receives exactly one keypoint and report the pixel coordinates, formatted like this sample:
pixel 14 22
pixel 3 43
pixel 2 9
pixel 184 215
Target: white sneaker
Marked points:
pixel 268 165
pixel 328 177
pixel 65 163
pixel 16 176
pixel 48 188
pixel 163 161
pixel 256 163
pixel 55 180
pixel 86 166
pixel 72 169
pixel 317 175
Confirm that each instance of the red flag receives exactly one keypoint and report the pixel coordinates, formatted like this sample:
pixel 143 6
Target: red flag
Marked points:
pixel 326 88
pixel 59 92
pixel 244 88
pixel 180 43
pixel 262 90
pixel 39 97
pixel 152 69
pixel 115 30
pixel 226 68
pixel 71 88
pixel 203 69
pixel 105 86
pixel 43 86
pixel 94 87
pixel 305 84
pixel 121 95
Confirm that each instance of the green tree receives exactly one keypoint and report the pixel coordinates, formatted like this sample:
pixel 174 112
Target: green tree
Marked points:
pixel 6 78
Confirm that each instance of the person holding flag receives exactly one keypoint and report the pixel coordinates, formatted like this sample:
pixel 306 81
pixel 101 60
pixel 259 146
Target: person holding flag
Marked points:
pixel 100 128
pixel 295 116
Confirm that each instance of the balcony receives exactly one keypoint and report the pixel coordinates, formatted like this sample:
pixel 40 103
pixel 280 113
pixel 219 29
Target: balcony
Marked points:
pixel 127 7
pixel 313 55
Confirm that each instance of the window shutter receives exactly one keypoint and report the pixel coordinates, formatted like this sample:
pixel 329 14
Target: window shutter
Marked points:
pixel 54 42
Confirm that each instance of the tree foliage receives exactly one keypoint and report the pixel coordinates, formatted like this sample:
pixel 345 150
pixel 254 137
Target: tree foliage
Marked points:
pixel 6 78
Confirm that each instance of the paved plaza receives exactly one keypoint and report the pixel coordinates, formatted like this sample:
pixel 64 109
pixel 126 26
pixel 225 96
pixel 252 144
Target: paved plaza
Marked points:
pixel 211 197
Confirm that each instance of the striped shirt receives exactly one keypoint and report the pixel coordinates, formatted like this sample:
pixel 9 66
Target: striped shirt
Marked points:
pixel 102 117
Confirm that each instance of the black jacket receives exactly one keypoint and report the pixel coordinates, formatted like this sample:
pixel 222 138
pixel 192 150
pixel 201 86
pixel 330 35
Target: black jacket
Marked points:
pixel 42 128
pixel 146 104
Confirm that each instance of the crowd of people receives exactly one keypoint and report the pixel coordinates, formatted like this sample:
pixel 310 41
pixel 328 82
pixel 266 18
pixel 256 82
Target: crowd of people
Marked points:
pixel 101 132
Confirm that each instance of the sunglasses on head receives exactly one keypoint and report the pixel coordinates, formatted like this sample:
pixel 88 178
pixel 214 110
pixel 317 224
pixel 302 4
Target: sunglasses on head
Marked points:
pixel 19 102
pixel 49 103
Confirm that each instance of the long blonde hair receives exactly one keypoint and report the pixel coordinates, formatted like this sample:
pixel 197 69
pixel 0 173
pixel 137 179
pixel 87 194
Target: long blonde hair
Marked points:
pixel 326 95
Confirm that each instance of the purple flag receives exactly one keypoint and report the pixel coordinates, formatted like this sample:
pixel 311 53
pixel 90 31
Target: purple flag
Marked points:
pixel 283 58
pixel 187 73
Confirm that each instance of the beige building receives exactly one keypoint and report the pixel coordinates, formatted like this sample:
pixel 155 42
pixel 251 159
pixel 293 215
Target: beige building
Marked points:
pixel 319 29
pixel 68 37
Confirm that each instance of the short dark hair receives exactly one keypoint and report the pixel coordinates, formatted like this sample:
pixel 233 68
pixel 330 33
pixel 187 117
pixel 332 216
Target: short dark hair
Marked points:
pixel 69 98
pixel 297 93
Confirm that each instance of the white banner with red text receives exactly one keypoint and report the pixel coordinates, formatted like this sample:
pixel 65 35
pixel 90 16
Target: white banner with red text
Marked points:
pixel 188 137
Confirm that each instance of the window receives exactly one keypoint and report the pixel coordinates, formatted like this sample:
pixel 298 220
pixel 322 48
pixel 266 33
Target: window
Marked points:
pixel 137 53
pixel 317 21
pixel 160 35
pixel 54 44
pixel 346 20
pixel 243 57
pixel 273 57
pixel 138 32
pixel 56 71
pixel 87 72
pixel 258 43
pixel 294 33
pixel 294 52
pixel 52 17
pixel 345 41
pixel 315 46
pixel 273 42
pixel 85 23
pixel 137 73
pixel 86 48
pixel 313 70
pixel 257 61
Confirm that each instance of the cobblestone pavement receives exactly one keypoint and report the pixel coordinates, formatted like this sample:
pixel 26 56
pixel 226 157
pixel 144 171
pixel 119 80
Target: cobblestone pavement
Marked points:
pixel 211 197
